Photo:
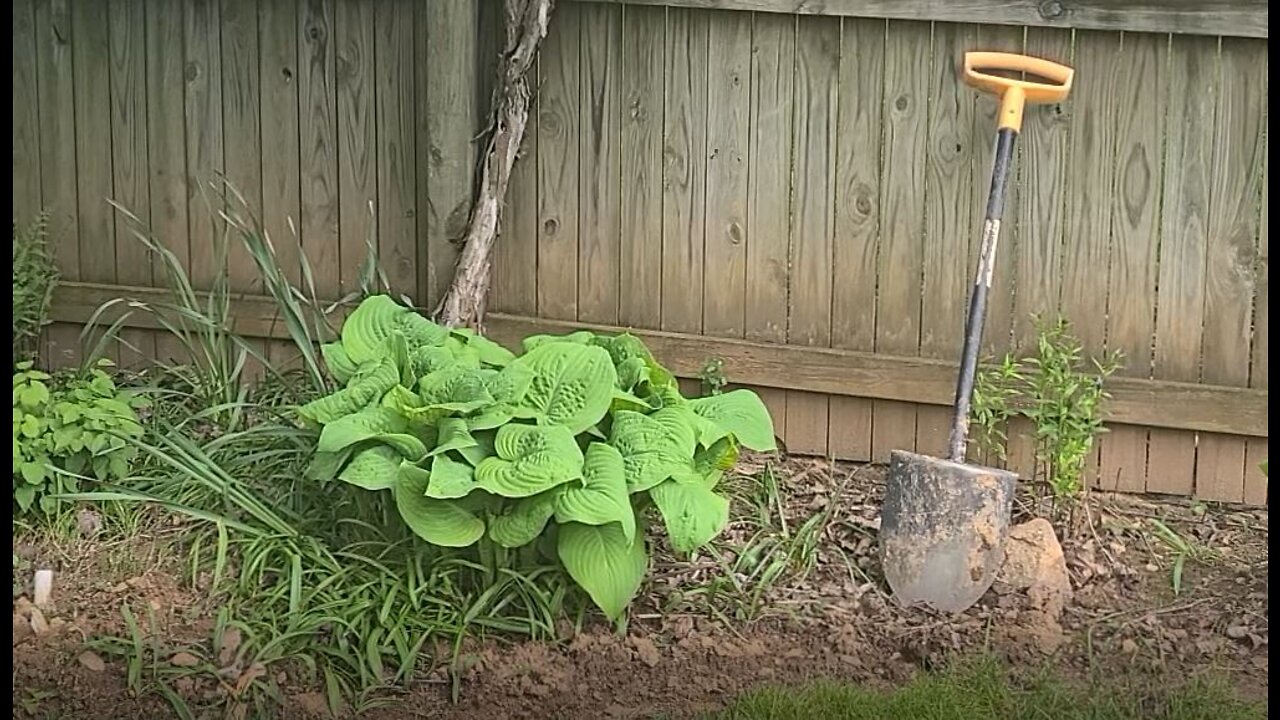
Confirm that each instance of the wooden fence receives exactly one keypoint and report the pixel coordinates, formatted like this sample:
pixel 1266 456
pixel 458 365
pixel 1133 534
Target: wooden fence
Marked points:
pixel 795 194
pixel 800 195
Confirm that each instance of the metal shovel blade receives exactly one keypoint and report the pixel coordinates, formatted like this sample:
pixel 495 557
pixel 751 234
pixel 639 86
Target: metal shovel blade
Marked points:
pixel 942 530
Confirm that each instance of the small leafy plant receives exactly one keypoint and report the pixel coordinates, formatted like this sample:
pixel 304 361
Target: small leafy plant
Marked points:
pixel 712 377
pixel 82 428
pixel 1051 389
pixel 557 451
pixel 34 277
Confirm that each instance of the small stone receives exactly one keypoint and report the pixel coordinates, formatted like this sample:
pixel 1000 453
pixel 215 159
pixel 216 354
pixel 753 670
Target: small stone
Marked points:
pixel 21 629
pixel 1237 632
pixel 88 522
pixel 645 651
pixel 92 661
pixel 1034 562
pixel 1151 567
pixel 184 659
pixel 39 625
pixel 1129 647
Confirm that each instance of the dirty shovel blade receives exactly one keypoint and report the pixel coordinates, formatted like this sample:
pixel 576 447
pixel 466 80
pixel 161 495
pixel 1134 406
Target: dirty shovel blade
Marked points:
pixel 942 530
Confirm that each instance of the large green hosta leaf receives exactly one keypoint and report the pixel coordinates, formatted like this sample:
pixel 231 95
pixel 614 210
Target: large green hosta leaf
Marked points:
pixel 580 337
pixel 601 497
pixel 374 468
pixel 338 362
pixel 450 479
pixel 365 389
pixel 489 352
pixel 572 384
pixel 530 459
pixel 652 446
pixel 452 435
pixel 376 318
pixel 522 521
pixel 634 363
pixel 742 413
pixel 456 389
pixel 693 513
pixel 604 562
pixel 378 423
pixel 440 522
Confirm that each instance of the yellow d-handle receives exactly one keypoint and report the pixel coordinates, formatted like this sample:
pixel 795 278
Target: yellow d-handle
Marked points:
pixel 1014 94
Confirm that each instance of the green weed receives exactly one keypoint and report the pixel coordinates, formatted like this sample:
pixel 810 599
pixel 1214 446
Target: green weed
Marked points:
pixel 34 278
pixel 1052 389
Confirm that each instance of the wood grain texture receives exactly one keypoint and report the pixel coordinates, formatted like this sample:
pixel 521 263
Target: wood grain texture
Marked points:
pixel 728 139
pixel 1256 451
pixel 1135 222
pixel 166 160
pixel 127 23
pixel 1041 210
pixel 1234 211
pixel 905 130
pixel 94 177
pixel 558 167
pixel 1157 403
pixel 356 143
pixel 1215 17
pixel 26 114
pixel 242 127
pixel 205 167
pixel 643 56
pixel 816 109
pixel 684 169
pixel 856 246
pixel 394 83
pixel 319 214
pixel 948 217
pixel 515 261
pixel 599 158
pixel 278 91
pixel 450 117
pixel 1188 166
pixel 773 51
pixel 56 177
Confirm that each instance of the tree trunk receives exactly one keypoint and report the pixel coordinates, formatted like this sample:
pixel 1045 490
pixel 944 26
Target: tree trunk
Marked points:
pixel 526 24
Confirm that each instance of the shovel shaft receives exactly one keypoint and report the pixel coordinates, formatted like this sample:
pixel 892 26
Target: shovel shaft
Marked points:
pixel 1005 138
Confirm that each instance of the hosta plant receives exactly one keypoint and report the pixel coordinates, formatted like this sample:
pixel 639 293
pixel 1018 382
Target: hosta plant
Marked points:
pixel 81 427
pixel 560 448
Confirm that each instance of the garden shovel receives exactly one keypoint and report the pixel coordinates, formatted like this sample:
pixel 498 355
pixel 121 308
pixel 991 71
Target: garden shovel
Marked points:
pixel 944 522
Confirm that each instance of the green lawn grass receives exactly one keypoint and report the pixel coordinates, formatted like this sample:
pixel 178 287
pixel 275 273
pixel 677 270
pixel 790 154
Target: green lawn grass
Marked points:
pixel 984 690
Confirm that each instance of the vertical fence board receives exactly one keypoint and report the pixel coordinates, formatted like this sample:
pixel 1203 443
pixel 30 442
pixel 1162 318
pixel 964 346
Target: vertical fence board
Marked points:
pixel 356 143
pixel 318 224
pixel 812 217
pixel 396 105
pixel 92 79
pixel 643 56
pixel 906 100
pixel 728 137
pixel 1255 485
pixel 202 108
pixel 26 115
pixel 773 50
pixel 57 160
pixel 600 176
pixel 1135 226
pixel 129 159
pixel 1234 196
pixel 857 221
pixel 558 169
pixel 448 57
pixel 947 220
pixel 1183 227
pixel 684 169
pixel 167 151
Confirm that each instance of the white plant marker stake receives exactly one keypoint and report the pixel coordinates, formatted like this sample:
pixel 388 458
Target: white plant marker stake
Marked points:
pixel 43 588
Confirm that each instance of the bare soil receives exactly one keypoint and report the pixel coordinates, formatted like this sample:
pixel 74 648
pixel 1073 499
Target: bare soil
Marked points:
pixel 687 652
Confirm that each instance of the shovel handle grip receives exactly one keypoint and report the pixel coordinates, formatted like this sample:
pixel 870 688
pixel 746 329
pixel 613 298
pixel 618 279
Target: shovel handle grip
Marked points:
pixel 1015 94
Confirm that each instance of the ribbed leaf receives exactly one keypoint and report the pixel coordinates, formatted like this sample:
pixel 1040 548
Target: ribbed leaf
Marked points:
pixel 530 459
pixel 374 468
pixel 742 413
pixel 693 513
pixel 604 562
pixel 523 520
pixel 440 522
pixel 601 496
pixel 572 384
